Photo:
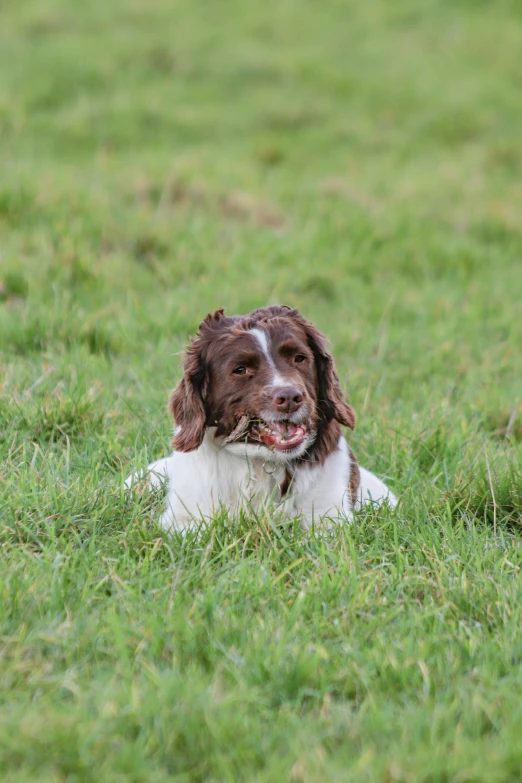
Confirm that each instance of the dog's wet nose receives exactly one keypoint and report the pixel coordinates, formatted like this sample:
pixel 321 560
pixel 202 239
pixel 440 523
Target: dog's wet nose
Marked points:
pixel 287 399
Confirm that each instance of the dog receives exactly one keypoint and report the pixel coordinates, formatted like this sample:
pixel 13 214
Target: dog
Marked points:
pixel 258 415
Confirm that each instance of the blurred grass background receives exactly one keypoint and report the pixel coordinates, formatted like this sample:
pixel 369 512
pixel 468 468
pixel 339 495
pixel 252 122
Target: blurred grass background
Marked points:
pixel 361 161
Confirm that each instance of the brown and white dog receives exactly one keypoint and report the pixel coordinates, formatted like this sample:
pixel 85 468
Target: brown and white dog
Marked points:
pixel 258 417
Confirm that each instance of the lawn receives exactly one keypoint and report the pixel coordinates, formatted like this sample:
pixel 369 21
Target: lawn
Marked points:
pixel 363 162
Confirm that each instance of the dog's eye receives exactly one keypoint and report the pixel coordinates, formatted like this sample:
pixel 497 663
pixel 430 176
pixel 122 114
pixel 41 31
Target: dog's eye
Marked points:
pixel 241 370
pixel 299 358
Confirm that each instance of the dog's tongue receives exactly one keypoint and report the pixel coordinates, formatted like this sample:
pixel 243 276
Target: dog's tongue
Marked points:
pixel 281 434
pixel 284 428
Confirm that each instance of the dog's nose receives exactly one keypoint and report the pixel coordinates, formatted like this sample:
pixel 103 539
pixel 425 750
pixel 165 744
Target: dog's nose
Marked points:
pixel 287 399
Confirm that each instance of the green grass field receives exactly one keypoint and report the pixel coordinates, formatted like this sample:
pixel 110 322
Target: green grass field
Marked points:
pixel 359 160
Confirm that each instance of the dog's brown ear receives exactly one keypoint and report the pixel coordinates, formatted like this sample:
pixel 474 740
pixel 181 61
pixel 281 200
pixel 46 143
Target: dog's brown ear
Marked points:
pixel 331 402
pixel 187 401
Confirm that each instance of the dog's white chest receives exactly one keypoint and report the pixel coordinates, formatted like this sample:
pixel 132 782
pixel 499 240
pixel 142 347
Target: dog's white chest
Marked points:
pixel 201 483
pixel 207 480
pixel 246 483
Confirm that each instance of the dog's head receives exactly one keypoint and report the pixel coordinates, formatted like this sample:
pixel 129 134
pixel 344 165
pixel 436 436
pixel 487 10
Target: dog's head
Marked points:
pixel 265 382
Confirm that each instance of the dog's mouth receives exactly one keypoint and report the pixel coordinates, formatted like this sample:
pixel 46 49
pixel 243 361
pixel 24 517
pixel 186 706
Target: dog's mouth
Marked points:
pixel 282 435
pixel 279 435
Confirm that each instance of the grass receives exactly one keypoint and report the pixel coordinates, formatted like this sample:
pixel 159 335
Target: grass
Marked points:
pixel 361 161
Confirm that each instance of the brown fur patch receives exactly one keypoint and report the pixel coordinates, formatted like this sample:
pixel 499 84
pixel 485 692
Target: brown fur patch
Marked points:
pixel 326 442
pixel 286 483
pixel 355 476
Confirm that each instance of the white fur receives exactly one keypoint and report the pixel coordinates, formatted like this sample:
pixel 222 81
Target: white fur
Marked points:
pixel 214 476
pixel 373 491
pixel 261 339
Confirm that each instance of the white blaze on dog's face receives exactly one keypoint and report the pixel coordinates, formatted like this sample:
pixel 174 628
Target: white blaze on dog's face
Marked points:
pixel 264 382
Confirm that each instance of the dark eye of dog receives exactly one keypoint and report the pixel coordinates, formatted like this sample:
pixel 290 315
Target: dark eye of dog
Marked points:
pixel 241 370
pixel 299 358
